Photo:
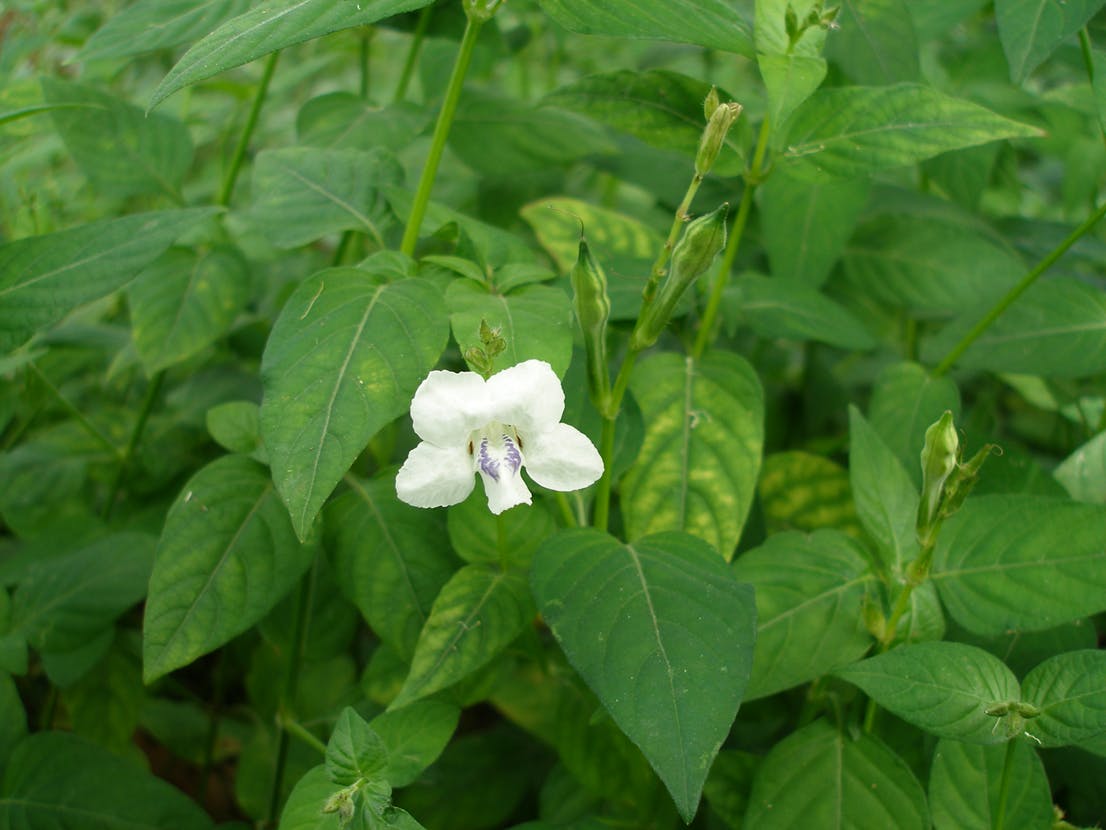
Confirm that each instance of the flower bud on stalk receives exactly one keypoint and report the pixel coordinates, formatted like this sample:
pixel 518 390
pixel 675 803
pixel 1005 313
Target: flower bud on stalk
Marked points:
pixel 714 135
pixel 593 308
pixel 939 457
pixel 702 240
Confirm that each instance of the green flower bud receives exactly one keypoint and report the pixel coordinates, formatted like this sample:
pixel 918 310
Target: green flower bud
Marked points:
pixel 593 309
pixel 714 135
pixel 702 240
pixel 710 104
pixel 939 458
pixel 963 480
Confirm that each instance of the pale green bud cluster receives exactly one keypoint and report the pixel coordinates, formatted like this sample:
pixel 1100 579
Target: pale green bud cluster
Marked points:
pixel 481 358
pixel 720 118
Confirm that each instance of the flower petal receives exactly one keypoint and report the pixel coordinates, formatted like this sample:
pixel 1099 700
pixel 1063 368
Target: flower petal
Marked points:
pixel 505 491
pixel 448 406
pixel 435 477
pixel 528 396
pixel 562 458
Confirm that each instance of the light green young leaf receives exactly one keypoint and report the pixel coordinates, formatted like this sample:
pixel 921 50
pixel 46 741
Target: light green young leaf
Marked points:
pixel 344 358
pixel 854 131
pixel 942 687
pixel 43 278
pixel 711 23
pixel 58 781
pixel 303 193
pixel 875 42
pixel 227 555
pixel 1030 30
pixel 1021 562
pixel 810 593
pixel 354 752
pixel 965 786
pixel 535 321
pixel 414 736
pixel 477 615
pixel 662 632
pixel 1083 473
pixel 1070 691
pixel 704 434
pixel 817 777
pixel 269 27
pixel 153 25
pixel 184 301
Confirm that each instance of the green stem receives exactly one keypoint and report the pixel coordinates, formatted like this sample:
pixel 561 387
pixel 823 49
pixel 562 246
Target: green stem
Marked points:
pixel 714 302
pixel 1012 295
pixel 297 729
pixel 243 144
pixel 657 271
pixel 363 53
pixel 152 391
pixel 68 406
pixel 441 133
pixel 1004 786
pixel 602 509
pixel 300 629
pixel 412 54
pixel 566 509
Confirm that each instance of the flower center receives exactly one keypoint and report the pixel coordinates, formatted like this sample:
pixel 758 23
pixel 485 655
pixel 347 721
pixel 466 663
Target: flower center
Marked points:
pixel 496 450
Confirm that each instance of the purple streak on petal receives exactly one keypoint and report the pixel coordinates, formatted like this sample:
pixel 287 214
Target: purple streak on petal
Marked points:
pixel 513 456
pixel 489 465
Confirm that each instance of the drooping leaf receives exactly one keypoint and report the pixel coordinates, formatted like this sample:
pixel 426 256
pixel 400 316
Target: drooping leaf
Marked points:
pixel 227 555
pixel 43 278
pixel 344 358
pixel 854 131
pixel 711 23
pixel 152 25
pixel 817 777
pixel 810 593
pixel 1070 691
pixel 698 466
pixel 662 632
pixel 942 687
pixel 269 27
pixel 1030 30
pixel 1021 562
pixel 875 43
pixel 354 751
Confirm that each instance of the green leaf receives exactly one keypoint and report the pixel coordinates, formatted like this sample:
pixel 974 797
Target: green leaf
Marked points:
pixel 810 593
pixel 1083 473
pixel 1056 328
pixel 477 615
pixel 535 320
pixel 414 736
pixel 105 704
pixel 57 781
pixel 711 23
pixel 1030 30
pixel 1021 562
pixel 184 301
pixel 391 559
pixel 13 719
pixel 704 433
pixel 662 108
pixel 776 308
pixel 121 150
pixel 303 193
pixel 346 121
pixel 624 246
pixel 66 600
pixel 941 687
pixel 477 536
pixel 227 555
pixel 1023 651
pixel 875 43
pixel 269 27
pixel 663 634
pixel 854 131
pixel 344 359
pixel 789 80
pixel 803 491
pixel 304 808
pixel 153 25
pixel 1070 691
pixel 43 278
pixel 236 426
pixel 906 399
pixel 816 777
pixel 965 787
pixel 807 224
pixel 354 751
pixel 886 499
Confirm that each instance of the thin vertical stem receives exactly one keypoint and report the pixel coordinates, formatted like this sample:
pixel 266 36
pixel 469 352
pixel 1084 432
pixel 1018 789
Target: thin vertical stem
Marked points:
pixel 441 133
pixel 363 54
pixel 243 144
pixel 136 435
pixel 412 54
pixel 999 821
pixel 602 509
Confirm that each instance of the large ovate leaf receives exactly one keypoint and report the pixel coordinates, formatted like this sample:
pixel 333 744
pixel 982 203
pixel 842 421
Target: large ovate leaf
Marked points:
pixel 57 781
pixel 303 193
pixel 1070 691
pixel 1021 562
pixel 711 23
pixel 150 25
pixel 698 465
pixel 227 555
pixel 875 43
pixel 662 632
pixel 810 593
pixel 43 278
pixel 477 614
pixel 344 358
pixel 269 27
pixel 944 688
pixel 817 777
pixel 1031 29
pixel 414 736
pixel 855 131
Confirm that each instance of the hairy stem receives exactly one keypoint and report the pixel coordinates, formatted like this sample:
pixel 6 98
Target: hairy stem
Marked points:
pixel 239 155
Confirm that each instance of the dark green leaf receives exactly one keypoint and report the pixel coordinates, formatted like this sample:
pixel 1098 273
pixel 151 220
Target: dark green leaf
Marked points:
pixel 152 25
pixel 478 536
pixel 1030 30
pixel 13 719
pixel 875 43
pixel 414 736
pixel 342 120
pixel 1070 691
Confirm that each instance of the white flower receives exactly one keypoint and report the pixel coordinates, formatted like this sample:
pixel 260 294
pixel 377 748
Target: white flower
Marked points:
pixel 493 427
